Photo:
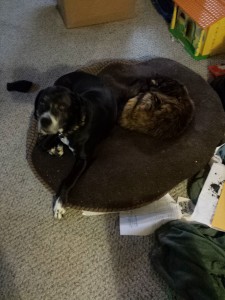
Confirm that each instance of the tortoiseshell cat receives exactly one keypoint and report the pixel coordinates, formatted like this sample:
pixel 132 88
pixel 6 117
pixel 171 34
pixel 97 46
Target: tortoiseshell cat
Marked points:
pixel 155 105
pixel 164 110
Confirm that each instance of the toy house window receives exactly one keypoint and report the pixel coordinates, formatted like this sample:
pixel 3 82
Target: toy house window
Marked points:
pixel 190 30
pixel 182 16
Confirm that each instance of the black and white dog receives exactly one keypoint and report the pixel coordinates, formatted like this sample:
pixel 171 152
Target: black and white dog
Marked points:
pixel 79 110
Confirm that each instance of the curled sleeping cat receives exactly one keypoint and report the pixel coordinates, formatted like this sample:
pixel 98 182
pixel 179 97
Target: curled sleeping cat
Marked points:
pixel 158 106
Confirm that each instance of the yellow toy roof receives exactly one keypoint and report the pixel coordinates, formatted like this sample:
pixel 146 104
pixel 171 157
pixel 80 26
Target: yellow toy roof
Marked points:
pixel 204 12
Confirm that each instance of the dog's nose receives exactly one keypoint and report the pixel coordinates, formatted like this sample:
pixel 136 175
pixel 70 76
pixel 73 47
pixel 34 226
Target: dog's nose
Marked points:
pixel 45 122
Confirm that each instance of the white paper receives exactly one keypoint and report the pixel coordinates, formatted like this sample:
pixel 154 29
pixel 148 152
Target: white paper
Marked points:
pixel 94 213
pixel 145 220
pixel 209 196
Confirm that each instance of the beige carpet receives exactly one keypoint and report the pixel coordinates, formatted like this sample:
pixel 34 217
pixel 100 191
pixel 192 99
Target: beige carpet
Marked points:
pixel 79 257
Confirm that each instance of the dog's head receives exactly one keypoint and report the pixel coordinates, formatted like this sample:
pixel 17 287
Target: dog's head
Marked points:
pixel 54 108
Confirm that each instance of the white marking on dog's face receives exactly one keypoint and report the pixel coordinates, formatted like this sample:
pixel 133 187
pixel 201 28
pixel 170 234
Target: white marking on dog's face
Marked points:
pixel 53 126
pixel 58 209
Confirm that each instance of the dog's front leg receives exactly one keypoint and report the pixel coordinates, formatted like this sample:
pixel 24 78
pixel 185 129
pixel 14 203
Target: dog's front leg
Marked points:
pixel 58 209
pixel 67 184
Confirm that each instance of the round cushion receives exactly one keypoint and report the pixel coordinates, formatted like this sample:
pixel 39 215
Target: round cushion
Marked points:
pixel 132 169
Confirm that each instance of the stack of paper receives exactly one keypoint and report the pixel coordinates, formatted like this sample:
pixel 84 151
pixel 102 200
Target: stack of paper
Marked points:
pixel 210 208
pixel 147 219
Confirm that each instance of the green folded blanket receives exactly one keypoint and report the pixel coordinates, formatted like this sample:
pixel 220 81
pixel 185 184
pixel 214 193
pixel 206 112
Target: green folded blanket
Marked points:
pixel 191 258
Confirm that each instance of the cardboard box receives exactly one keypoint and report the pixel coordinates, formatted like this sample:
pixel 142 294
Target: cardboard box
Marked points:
pixel 76 13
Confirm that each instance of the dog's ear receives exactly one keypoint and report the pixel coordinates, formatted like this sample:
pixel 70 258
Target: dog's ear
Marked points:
pixel 78 105
pixel 38 97
pixel 76 100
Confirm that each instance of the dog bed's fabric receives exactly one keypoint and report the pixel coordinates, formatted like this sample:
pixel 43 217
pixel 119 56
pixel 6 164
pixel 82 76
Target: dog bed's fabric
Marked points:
pixel 131 169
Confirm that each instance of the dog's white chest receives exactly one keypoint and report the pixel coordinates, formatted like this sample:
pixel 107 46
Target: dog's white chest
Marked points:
pixel 66 142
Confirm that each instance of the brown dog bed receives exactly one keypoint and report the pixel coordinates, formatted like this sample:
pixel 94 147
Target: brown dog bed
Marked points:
pixel 132 169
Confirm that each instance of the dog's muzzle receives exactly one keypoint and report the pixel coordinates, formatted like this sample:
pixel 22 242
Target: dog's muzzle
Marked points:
pixel 45 122
pixel 48 124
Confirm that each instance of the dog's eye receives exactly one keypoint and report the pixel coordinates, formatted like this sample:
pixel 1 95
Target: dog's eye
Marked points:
pixel 42 102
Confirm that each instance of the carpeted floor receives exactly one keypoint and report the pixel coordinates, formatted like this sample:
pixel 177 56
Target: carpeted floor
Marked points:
pixel 79 257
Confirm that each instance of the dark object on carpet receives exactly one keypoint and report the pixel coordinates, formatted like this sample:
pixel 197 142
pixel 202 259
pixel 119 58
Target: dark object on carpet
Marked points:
pixel 219 86
pixel 164 8
pixel 133 169
pixel 191 258
pixel 22 86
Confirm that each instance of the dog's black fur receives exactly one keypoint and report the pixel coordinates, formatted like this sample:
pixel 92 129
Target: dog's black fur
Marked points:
pixel 85 111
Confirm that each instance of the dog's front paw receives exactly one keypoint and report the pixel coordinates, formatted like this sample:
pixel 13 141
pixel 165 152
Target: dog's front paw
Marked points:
pixel 58 209
pixel 57 151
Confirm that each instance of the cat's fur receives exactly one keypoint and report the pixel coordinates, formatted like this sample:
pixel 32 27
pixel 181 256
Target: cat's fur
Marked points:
pixel 157 105
pixel 164 111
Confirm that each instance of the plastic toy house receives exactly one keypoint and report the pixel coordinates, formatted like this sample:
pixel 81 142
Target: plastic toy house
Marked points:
pixel 200 26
